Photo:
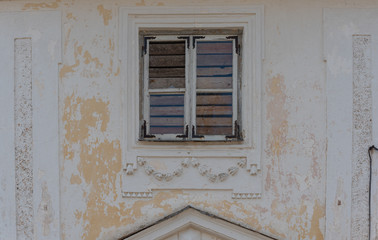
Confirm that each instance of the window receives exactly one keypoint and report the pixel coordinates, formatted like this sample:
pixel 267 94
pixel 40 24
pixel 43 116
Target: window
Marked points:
pixel 191 85
pixel 166 161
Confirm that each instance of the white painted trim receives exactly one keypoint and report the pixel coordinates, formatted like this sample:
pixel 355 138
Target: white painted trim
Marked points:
pixel 192 218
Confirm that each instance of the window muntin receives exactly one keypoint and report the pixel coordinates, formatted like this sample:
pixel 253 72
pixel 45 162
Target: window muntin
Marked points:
pixel 190 88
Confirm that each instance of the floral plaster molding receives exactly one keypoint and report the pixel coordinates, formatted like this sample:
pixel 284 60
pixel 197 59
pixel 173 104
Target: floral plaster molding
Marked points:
pixel 203 169
pixel 154 173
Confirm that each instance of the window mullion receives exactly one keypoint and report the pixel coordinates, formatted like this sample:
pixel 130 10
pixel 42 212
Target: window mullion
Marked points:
pixel 234 86
pixel 146 94
pixel 193 77
pixel 187 105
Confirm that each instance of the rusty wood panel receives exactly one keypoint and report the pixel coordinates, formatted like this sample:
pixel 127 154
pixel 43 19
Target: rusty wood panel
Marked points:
pixel 214 99
pixel 171 121
pixel 167 72
pixel 166 99
pixel 214 47
pixel 167 48
pixel 214 60
pixel 218 121
pixel 214 72
pixel 214 110
pixel 214 83
pixel 227 130
pixel 167 61
pixel 167 130
pixel 164 111
pixel 159 83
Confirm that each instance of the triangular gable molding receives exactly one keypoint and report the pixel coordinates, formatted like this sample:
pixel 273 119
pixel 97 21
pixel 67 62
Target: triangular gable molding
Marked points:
pixel 191 221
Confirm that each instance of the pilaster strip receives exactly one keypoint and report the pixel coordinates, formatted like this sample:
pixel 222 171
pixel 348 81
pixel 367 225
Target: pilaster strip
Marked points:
pixel 362 135
pixel 23 113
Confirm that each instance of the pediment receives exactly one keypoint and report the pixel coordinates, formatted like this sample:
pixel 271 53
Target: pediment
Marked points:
pixel 194 224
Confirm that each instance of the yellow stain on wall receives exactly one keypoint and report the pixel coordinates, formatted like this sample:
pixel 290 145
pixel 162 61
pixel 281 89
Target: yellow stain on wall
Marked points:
pixel 65 69
pixel 142 3
pixel 75 179
pixel 105 13
pixel 277 115
pixel 88 59
pixel 100 167
pixel 38 6
pixel 318 213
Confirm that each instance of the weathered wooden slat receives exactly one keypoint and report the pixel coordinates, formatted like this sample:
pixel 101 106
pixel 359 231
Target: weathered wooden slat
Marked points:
pixel 167 61
pixel 214 72
pixel 214 47
pixel 167 48
pixel 167 121
pixel 214 99
pixel 214 130
pixel 167 72
pixel 159 83
pixel 214 121
pixel 214 110
pixel 214 83
pixel 214 60
pixel 164 111
pixel 167 130
pixel 166 99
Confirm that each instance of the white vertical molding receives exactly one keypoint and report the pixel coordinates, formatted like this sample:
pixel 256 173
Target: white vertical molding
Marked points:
pixel 362 136
pixel 23 115
pixel 339 84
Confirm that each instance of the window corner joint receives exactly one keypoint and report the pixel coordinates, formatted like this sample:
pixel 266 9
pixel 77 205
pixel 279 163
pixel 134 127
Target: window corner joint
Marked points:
pixel 186 135
pixel 236 134
pixel 144 48
pixel 144 131
pixel 237 45
pixel 195 38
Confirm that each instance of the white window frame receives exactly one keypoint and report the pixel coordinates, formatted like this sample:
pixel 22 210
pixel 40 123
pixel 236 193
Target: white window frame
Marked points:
pixel 147 91
pixel 247 18
pixel 190 91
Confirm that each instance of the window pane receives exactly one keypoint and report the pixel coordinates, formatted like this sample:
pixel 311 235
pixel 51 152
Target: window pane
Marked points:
pixel 214 64
pixel 166 113
pixel 214 114
pixel 166 64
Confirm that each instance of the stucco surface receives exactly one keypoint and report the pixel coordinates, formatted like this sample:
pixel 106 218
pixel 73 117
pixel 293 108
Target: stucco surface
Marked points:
pixel 294 124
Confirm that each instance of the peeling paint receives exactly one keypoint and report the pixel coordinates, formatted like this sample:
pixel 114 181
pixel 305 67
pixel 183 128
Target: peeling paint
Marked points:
pixel 277 116
pixel 66 69
pixel 45 210
pixel 105 13
pixel 91 146
pixel 39 6
pixel 75 179
pixel 89 59
pixel 318 213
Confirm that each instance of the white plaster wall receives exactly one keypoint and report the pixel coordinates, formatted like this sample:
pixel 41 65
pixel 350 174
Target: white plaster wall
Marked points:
pixel 341 27
pixel 293 204
pixel 44 30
